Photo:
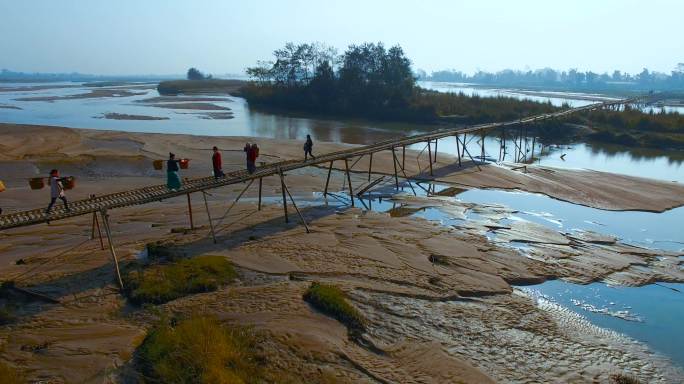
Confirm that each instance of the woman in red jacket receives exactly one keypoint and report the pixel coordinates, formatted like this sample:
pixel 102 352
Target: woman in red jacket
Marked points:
pixel 216 162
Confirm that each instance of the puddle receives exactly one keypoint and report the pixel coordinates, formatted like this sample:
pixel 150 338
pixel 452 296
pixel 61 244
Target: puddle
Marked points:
pixel 651 314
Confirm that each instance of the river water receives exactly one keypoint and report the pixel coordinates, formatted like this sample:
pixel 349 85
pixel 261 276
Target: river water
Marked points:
pixel 659 309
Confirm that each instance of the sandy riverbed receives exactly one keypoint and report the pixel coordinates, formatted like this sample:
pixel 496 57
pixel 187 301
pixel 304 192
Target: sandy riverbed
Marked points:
pixel 458 319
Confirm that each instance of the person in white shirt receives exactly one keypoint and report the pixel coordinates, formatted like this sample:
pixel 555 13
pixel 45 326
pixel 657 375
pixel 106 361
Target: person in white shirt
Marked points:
pixel 56 191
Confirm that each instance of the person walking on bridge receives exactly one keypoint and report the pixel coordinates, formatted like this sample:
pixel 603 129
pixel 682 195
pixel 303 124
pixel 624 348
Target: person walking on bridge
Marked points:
pixel 56 191
pixel 173 181
pixel 308 147
pixel 251 153
pixel 216 162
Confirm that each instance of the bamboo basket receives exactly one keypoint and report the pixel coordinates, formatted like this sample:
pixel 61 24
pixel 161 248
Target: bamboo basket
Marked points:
pixel 37 183
pixel 158 164
pixel 69 182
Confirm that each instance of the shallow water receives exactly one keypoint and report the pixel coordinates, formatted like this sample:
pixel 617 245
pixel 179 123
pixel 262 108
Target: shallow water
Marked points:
pixel 656 311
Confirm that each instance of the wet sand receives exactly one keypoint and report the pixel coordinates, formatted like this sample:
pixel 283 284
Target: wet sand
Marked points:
pixel 439 300
pixel 125 116
pixel 94 94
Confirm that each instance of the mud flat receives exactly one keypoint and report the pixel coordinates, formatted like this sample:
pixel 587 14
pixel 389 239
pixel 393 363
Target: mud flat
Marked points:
pixel 439 300
pixel 197 106
pixel 94 94
pixel 125 116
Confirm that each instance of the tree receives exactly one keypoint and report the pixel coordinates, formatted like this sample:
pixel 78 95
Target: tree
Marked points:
pixel 195 74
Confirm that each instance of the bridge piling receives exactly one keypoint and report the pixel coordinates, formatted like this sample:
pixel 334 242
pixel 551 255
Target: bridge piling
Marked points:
pixel 403 156
pixel 192 224
pixel 464 145
pixel 211 223
pixel 396 160
pixel 482 146
pixel 458 150
pixel 108 231
pixel 436 140
pixel 396 175
pixel 429 145
pixel 370 166
pixel 282 179
pixel 346 168
pixel 327 180
pixel 261 180
pixel 282 188
pixel 96 225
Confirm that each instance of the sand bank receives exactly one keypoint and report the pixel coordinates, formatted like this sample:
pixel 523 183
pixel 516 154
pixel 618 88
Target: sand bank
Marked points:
pixel 439 300
pixel 94 94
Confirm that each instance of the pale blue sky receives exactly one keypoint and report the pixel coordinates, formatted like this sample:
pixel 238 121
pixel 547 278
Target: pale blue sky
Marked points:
pixel 168 36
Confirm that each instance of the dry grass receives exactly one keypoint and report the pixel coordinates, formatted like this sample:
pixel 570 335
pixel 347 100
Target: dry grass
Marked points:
pixel 9 375
pixel 159 283
pixel 332 301
pixel 619 378
pixel 200 350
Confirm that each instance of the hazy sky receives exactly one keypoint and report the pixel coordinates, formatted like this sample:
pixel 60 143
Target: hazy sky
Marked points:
pixel 168 36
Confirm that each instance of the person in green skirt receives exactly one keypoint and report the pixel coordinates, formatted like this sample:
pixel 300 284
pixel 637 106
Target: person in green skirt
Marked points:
pixel 173 181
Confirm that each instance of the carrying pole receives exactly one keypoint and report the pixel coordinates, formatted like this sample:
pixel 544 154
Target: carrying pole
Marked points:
pixel 211 223
pixel 105 222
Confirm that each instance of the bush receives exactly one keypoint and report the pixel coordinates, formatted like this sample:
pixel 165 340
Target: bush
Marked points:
pixel 160 283
pixel 619 378
pixel 175 87
pixel 200 350
pixel 10 375
pixel 332 301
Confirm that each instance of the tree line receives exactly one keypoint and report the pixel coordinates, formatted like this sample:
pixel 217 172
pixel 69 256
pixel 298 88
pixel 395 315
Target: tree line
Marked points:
pixel 574 79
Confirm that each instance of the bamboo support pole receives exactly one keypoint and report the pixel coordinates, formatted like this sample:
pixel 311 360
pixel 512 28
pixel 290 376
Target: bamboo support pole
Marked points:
pixel 211 223
pixel 108 231
pixel 327 180
pixel 282 180
pixel 351 193
pixel 192 224
pixel 282 188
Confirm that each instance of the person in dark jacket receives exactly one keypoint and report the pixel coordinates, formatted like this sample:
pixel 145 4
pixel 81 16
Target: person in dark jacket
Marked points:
pixel 173 181
pixel 308 147
pixel 250 156
pixel 217 164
